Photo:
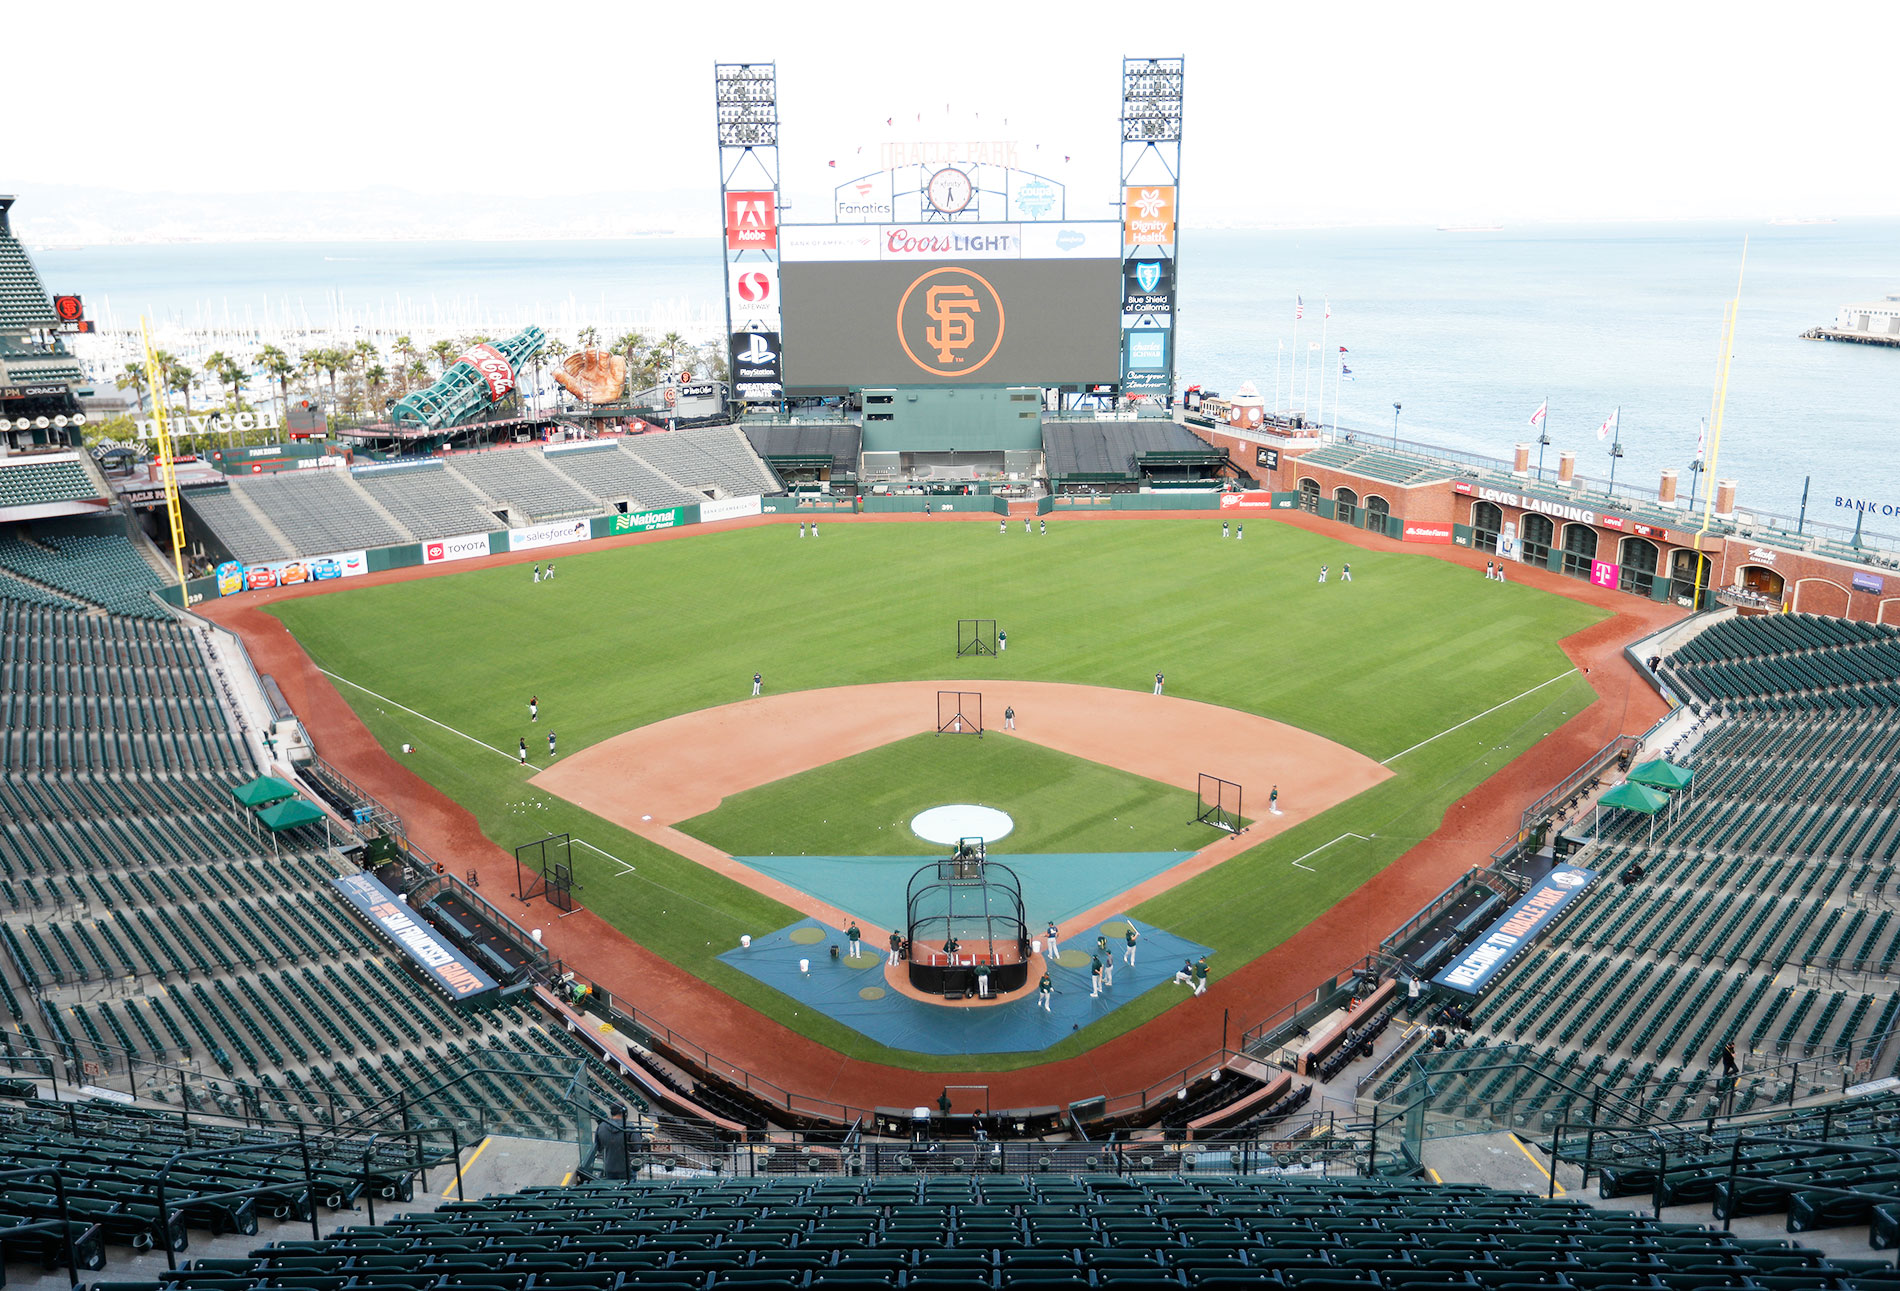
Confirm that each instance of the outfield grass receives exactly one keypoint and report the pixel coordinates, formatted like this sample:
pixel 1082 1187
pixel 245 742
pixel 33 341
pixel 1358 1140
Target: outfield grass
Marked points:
pixel 1412 647
pixel 862 805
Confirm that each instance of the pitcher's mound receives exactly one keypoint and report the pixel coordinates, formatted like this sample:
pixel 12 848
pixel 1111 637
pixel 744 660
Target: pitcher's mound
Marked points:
pixel 959 821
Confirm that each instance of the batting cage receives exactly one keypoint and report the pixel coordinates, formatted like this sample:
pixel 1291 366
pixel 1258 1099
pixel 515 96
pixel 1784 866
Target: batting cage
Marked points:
pixel 1217 803
pixel 964 912
pixel 976 636
pixel 960 712
pixel 545 868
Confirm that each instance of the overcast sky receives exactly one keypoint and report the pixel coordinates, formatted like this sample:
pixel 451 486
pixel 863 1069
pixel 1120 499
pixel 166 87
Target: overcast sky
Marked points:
pixel 1328 113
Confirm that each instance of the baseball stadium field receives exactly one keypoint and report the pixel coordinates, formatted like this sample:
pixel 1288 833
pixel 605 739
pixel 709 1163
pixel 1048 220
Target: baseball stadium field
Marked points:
pixel 1419 678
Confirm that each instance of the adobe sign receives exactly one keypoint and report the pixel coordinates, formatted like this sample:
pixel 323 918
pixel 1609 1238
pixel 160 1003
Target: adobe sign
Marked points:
pixel 752 221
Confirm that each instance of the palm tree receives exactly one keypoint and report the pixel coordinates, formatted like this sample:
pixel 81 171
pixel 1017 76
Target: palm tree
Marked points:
pixel 232 374
pixel 134 376
pixel 214 364
pixel 405 359
pixel 277 367
pixel 671 344
pixel 362 356
pixel 177 376
pixel 332 362
pixel 417 374
pixel 632 343
pixel 587 338
pixel 375 377
pixel 444 351
pixel 310 363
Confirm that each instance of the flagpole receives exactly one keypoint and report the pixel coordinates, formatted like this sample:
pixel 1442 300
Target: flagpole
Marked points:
pixel 1543 438
pixel 1338 376
pixel 1325 321
pixel 1291 375
pixel 1616 448
pixel 1277 358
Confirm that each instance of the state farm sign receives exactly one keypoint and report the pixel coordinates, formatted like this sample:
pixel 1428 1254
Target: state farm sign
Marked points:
pixel 1416 531
pixel 467 547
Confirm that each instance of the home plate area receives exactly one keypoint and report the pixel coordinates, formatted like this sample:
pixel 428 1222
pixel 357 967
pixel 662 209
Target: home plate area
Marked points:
pixel 809 962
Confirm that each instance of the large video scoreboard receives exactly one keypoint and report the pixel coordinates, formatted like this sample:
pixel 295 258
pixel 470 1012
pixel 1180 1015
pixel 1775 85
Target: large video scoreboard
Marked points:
pixel 943 304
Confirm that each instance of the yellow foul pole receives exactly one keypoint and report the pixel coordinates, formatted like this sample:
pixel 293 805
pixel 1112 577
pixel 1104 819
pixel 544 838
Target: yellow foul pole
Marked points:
pixel 1719 402
pixel 154 381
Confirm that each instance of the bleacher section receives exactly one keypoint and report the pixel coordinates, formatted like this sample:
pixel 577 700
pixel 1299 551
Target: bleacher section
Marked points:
pixel 31 481
pixel 238 979
pixel 91 559
pixel 521 479
pixel 1053 1233
pixel 1770 1177
pixel 89 693
pixel 1764 917
pixel 23 300
pixel 431 502
pixel 1787 662
pixel 226 514
pixel 320 511
pixel 1103 450
pixel 610 472
pixel 710 458
pixel 1377 464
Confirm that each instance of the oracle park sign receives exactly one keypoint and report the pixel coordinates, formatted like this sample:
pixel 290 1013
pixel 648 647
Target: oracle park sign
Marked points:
pixel 1522 924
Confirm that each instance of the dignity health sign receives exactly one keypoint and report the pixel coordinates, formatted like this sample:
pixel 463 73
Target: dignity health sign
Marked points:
pixel 1522 924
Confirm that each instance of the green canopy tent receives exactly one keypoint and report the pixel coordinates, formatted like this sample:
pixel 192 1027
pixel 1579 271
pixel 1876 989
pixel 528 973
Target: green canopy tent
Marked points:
pixel 289 815
pixel 263 791
pixel 1631 796
pixel 1664 775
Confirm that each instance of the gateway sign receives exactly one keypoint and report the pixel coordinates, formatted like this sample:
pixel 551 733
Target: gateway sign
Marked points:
pixel 1522 924
pixel 1525 502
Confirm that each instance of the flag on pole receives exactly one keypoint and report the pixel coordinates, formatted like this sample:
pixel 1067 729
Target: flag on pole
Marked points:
pixel 1329 309
pixel 1299 308
pixel 1342 349
pixel 1344 371
pixel 1312 345
pixel 1702 441
pixel 1609 424
pixel 1537 418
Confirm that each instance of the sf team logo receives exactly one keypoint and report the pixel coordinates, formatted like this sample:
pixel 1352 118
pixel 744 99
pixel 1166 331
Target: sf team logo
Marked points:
pixel 950 321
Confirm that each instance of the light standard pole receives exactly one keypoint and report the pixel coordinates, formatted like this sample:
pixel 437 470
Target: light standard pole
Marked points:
pixel 1543 442
pixel 1395 427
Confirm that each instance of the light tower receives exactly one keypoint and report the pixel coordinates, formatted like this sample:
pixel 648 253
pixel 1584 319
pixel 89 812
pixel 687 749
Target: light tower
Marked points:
pixel 1151 190
pixel 746 102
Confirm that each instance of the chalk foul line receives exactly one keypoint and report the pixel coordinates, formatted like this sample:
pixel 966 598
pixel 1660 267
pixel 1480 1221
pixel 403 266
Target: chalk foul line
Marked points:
pixel 512 757
pixel 626 867
pixel 1364 838
pixel 1469 720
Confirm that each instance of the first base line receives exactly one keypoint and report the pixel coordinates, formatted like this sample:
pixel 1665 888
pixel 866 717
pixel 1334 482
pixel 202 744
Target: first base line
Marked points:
pixel 1364 838
pixel 1469 720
